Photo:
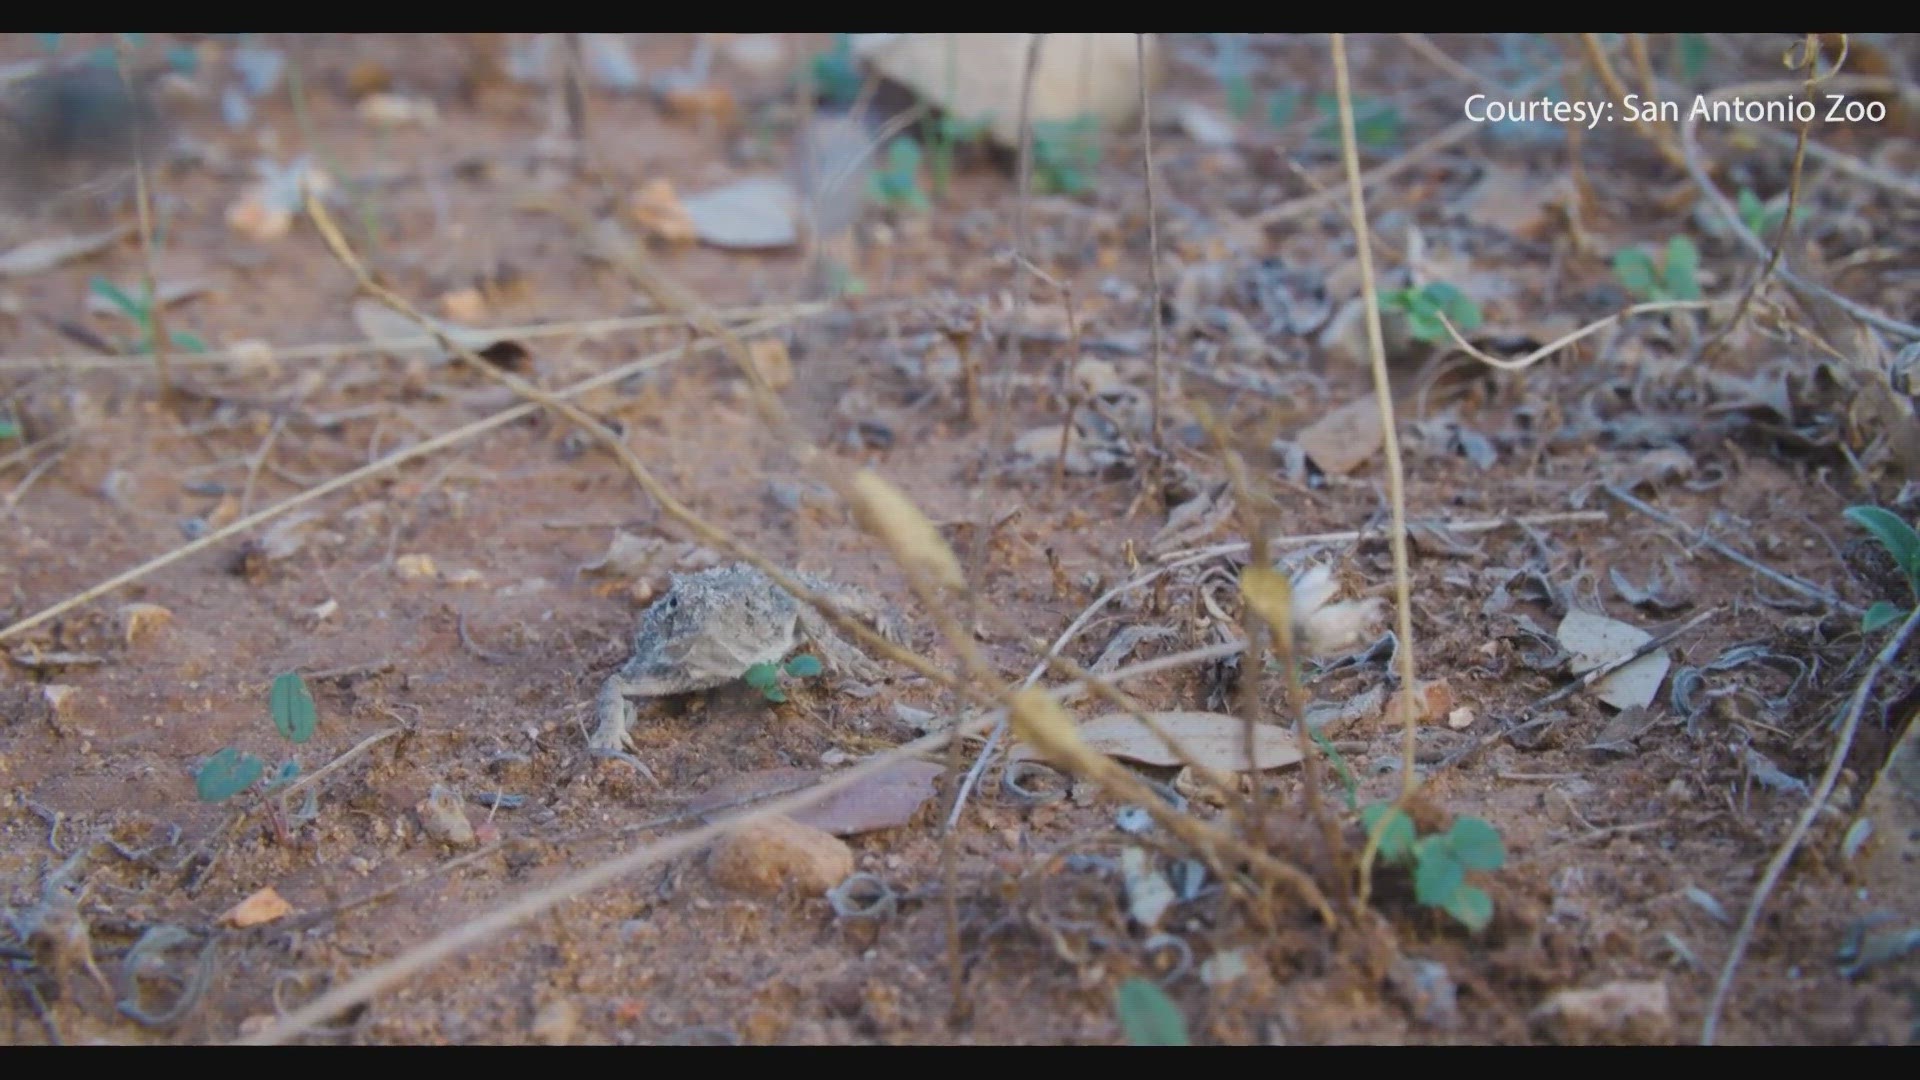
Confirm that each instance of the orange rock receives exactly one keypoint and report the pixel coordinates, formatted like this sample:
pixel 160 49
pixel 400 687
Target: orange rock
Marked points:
pixel 262 907
pixel 767 856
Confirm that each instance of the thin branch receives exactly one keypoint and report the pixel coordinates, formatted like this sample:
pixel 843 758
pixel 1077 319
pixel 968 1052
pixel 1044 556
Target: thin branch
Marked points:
pixel 1383 391
pixel 346 480
pixel 1813 592
pixel 1544 351
pixel 1189 555
pixel 1786 219
pixel 1153 233
pixel 1778 865
pixel 342 349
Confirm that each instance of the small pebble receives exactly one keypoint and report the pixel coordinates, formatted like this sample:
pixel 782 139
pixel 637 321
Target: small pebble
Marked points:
pixel 766 857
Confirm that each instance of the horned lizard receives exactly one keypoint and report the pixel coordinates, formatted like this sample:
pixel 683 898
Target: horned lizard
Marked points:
pixel 711 626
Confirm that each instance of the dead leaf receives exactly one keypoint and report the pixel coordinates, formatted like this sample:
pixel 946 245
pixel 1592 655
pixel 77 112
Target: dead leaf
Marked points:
pixel 1509 201
pixel 411 342
pixel 888 799
pixel 753 214
pixel 1594 640
pixel 1216 741
pixel 1346 438
pixel 35 256
pixel 264 906
pixel 1204 126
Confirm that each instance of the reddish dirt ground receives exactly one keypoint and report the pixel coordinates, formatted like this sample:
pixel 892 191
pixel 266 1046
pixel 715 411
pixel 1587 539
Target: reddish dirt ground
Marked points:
pixel 488 667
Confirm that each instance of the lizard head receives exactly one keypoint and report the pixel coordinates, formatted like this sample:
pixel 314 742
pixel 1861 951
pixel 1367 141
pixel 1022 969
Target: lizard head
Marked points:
pixel 707 629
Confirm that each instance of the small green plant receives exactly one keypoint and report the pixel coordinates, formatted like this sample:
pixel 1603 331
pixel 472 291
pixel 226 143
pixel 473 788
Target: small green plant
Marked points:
pixel 1349 784
pixel 1677 278
pixel 766 677
pixel 1240 96
pixel 9 429
pixel 229 772
pixel 949 134
pixel 141 312
pixel 1282 105
pixel 1065 153
pixel 1903 544
pixel 1762 220
pixel 1690 55
pixel 1148 1016
pixel 1425 305
pixel 897 185
pixel 1376 124
pixel 1441 861
pixel 834 73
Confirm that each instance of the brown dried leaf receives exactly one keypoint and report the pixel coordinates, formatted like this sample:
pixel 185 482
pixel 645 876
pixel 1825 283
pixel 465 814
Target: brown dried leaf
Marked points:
pixel 35 256
pixel 1346 438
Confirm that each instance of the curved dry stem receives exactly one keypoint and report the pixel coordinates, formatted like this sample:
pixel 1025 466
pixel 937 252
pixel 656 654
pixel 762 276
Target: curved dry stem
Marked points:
pixel 1383 391
pixel 1544 351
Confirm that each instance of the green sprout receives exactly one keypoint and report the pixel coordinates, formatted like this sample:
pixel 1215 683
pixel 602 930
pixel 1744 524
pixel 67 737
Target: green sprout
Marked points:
pixel 1064 153
pixel 1441 860
pixel 1239 95
pixel 1148 1016
pixel 1901 542
pixel 1424 306
pixel 835 74
pixel 9 429
pixel 897 185
pixel 229 771
pixel 1376 124
pixel 1762 220
pixel 1282 105
pixel 1676 279
pixel 766 677
pixel 1349 784
pixel 141 312
pixel 1690 55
